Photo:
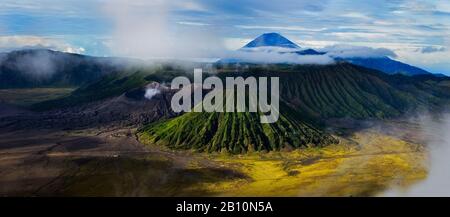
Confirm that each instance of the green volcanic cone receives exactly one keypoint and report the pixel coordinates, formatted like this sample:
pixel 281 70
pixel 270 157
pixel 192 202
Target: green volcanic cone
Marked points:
pixel 235 132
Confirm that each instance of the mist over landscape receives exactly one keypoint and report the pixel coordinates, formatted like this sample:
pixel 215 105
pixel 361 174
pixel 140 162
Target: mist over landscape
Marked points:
pixel 435 132
pixel 87 98
pixel 141 29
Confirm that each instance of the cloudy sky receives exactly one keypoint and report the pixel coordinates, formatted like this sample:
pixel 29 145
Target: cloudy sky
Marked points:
pixel 418 32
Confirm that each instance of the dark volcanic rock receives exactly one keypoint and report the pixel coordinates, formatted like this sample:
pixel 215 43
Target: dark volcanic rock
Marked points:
pixel 129 109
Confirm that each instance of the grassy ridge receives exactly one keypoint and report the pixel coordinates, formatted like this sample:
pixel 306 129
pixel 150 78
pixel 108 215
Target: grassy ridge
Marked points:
pixel 109 86
pixel 38 68
pixel 315 91
pixel 340 90
pixel 309 94
pixel 235 132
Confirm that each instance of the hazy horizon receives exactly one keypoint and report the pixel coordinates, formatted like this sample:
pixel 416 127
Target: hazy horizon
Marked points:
pixel 417 32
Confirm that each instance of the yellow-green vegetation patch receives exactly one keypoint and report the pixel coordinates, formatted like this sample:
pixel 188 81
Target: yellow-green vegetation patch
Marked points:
pixel 377 163
pixel 365 164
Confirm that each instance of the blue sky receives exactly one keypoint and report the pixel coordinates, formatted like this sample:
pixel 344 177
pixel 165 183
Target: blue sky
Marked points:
pixel 417 31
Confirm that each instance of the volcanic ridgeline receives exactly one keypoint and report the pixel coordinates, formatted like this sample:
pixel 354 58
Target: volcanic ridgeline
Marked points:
pixel 310 95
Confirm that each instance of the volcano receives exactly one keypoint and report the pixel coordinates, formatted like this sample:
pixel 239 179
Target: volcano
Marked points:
pixel 271 40
pixel 274 43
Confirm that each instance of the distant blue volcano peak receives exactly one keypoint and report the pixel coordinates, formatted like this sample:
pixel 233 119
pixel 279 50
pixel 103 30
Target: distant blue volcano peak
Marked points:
pixel 273 40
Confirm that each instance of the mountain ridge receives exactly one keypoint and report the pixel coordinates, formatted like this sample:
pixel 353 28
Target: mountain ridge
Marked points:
pixel 310 97
pixel 274 42
pixel 47 68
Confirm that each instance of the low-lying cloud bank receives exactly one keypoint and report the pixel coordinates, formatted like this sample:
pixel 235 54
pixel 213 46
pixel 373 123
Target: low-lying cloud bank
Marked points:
pixel 288 55
pixel 349 51
pixel 276 57
pixel 145 30
pixel 437 182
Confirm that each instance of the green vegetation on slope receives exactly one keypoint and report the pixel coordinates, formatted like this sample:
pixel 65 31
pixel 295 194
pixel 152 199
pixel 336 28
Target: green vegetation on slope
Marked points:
pixel 345 90
pixel 235 132
pixel 315 91
pixel 111 85
pixel 309 94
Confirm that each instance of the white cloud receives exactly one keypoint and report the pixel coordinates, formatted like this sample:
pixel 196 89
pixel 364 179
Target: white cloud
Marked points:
pixel 431 49
pixel 192 23
pixel 50 7
pixel 359 35
pixel 315 43
pixel 13 42
pixel 235 43
pixel 348 51
pixel 189 5
pixel 437 139
pixel 151 92
pixel 281 28
pixel 142 29
pixel 418 6
pixel 333 49
pixel 443 6
pixel 356 15
pixel 393 31
pixel 275 57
